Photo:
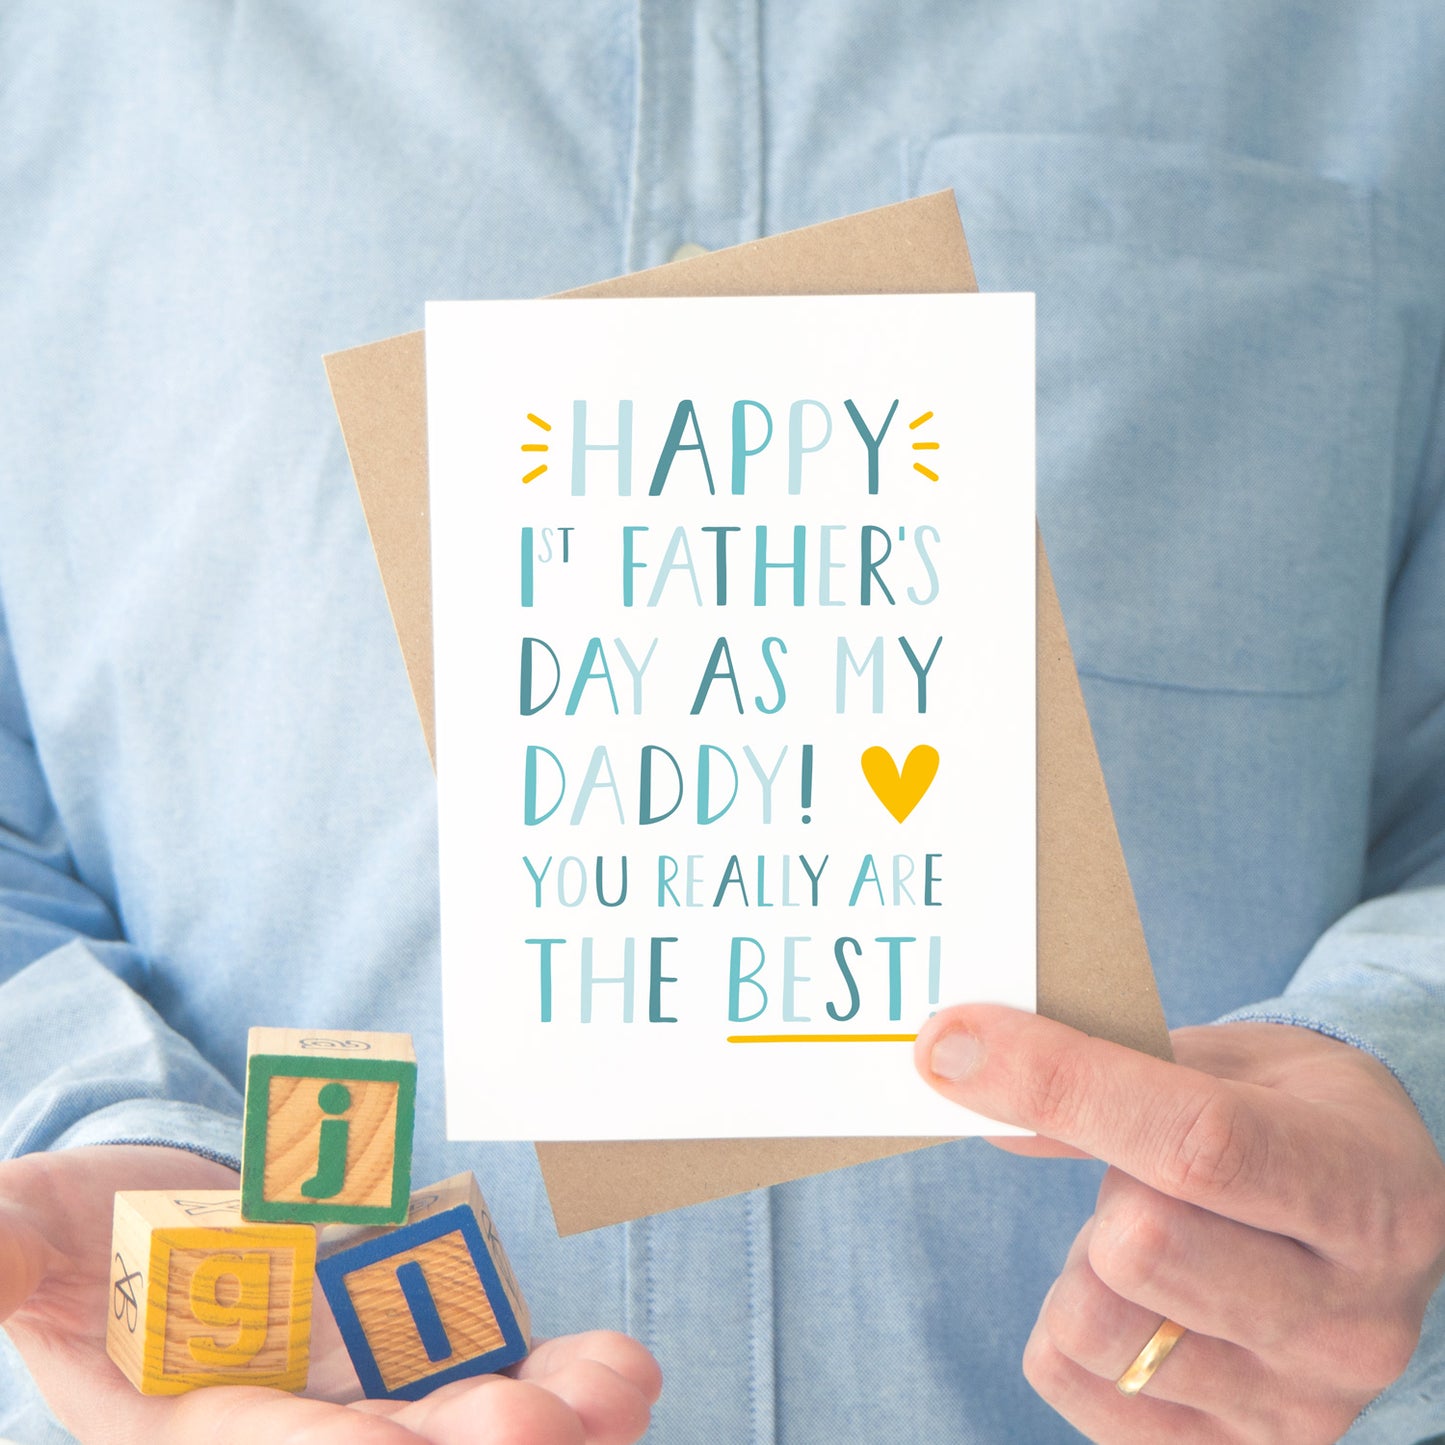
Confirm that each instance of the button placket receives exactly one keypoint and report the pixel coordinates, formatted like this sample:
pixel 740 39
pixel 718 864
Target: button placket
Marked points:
pixel 697 167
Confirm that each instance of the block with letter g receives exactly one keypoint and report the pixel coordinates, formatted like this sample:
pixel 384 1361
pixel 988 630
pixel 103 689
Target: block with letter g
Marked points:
pixel 198 1296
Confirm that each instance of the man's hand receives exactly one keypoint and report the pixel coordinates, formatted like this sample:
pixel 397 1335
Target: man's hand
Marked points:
pixel 1275 1192
pixel 55 1223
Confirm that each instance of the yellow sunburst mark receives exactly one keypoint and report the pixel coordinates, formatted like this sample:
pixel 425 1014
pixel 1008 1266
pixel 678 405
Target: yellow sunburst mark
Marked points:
pixel 923 447
pixel 536 446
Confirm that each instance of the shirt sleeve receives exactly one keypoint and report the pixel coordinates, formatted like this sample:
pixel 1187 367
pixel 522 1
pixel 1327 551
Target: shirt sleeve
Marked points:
pixel 84 1058
pixel 1376 978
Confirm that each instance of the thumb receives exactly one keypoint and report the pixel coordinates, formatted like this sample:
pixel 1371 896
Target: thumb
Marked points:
pixel 1034 1146
pixel 24 1258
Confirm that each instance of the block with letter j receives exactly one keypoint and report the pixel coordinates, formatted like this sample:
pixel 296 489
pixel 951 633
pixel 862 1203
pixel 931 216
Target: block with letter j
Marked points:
pixel 328 1129
pixel 432 1301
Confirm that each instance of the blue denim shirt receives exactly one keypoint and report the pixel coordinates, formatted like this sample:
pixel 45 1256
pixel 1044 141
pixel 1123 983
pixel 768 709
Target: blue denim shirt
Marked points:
pixel 216 807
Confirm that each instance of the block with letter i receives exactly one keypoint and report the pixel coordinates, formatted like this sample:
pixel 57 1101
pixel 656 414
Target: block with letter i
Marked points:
pixel 198 1296
pixel 432 1301
pixel 328 1126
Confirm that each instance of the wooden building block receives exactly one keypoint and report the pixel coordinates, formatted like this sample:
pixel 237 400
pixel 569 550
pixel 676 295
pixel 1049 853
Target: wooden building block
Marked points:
pixel 328 1126
pixel 432 1301
pixel 200 1297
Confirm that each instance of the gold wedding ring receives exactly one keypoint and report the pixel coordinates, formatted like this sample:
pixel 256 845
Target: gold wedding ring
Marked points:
pixel 1150 1358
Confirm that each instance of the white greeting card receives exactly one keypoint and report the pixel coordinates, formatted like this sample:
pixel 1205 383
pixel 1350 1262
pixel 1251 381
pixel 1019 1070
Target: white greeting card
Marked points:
pixel 734 633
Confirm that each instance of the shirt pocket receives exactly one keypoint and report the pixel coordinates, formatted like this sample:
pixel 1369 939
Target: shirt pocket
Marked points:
pixel 1210 474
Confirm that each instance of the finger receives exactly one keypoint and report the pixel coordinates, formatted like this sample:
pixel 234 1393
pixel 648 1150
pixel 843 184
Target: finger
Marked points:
pixel 1090 1325
pixel 1263 1292
pixel 27 1255
pixel 610 1380
pixel 617 1351
pixel 1254 1154
pixel 1097 1409
pixel 244 1416
pixel 490 1410
pixel 1093 1403
pixel 1103 1333
pixel 24 1258
pixel 613 1411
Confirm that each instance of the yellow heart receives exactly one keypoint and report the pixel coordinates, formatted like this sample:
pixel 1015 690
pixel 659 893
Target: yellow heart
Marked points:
pixel 900 792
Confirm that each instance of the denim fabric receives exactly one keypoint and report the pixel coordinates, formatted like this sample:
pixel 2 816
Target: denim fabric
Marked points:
pixel 216 807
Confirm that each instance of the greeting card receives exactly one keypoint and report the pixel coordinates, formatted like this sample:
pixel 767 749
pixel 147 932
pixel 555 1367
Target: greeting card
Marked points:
pixel 734 642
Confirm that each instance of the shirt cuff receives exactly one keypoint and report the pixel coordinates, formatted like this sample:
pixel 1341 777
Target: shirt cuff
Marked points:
pixel 167 1123
pixel 1376 981
pixel 1383 992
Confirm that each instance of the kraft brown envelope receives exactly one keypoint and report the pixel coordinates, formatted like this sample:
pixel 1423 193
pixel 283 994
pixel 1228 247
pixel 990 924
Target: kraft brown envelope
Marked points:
pixel 1093 967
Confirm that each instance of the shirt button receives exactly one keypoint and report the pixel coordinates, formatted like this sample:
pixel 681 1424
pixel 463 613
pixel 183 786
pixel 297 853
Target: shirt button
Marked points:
pixel 687 251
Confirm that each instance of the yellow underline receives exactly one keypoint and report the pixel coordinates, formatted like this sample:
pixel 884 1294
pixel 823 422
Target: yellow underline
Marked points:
pixel 821 1038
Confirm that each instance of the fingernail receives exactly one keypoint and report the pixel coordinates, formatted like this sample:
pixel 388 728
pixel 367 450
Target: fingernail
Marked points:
pixel 956 1055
